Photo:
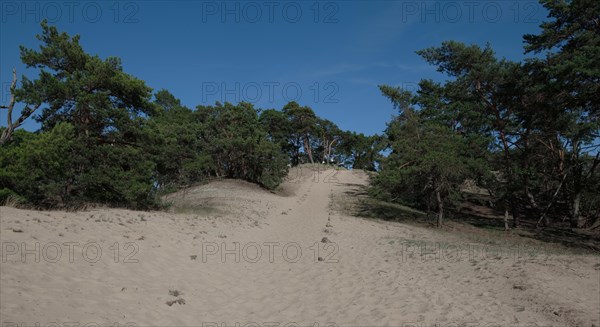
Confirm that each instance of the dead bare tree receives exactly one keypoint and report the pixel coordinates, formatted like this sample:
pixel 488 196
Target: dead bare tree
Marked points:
pixel 25 113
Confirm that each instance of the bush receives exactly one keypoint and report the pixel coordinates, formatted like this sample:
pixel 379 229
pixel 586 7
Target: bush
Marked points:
pixel 58 169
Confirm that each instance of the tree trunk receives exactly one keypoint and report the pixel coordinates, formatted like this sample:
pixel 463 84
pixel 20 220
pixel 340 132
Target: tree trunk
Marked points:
pixel 576 210
pixel 500 124
pixel 536 207
pixel 308 150
pixel 325 159
pixel 440 219
pixel 544 217
pixel 578 180
pixel 329 150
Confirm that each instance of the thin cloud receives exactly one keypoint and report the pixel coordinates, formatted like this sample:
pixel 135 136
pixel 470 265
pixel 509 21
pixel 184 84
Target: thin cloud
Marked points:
pixel 363 81
pixel 338 69
pixel 415 68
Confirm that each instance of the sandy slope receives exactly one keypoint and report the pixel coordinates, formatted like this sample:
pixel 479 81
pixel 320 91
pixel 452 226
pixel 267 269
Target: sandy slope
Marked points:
pixel 370 274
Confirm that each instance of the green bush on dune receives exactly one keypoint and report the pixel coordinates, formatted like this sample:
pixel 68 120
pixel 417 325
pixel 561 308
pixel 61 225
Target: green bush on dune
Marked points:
pixel 105 138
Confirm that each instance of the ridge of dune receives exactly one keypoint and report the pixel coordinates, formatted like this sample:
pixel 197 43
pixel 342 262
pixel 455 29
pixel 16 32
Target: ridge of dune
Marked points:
pixel 236 254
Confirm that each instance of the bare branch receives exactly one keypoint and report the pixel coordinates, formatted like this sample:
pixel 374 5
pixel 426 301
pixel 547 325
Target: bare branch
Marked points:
pixel 26 113
pixel 545 212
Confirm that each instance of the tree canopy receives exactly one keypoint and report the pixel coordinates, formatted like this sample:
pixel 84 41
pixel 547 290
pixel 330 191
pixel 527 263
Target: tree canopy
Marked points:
pixel 105 137
pixel 526 131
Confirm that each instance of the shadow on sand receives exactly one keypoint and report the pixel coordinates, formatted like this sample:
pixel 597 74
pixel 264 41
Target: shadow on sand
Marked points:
pixel 470 218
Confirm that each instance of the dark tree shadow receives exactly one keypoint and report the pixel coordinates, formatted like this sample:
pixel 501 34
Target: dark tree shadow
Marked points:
pixel 474 212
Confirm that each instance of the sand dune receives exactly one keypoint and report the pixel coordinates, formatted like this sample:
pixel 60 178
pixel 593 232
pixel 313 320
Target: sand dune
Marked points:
pixel 232 253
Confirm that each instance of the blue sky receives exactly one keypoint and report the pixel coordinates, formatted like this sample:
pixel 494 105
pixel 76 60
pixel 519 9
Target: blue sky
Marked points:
pixel 328 55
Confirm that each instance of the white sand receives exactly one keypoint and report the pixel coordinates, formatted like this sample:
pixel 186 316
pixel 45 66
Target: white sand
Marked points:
pixel 368 276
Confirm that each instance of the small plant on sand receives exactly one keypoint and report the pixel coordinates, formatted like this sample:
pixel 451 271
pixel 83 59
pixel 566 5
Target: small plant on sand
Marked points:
pixel 178 301
pixel 175 293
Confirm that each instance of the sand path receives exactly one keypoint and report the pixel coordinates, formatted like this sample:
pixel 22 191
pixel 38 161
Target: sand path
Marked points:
pixel 370 273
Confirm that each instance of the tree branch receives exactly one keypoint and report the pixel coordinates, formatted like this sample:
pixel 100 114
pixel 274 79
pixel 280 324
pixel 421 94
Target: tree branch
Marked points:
pixel 25 113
